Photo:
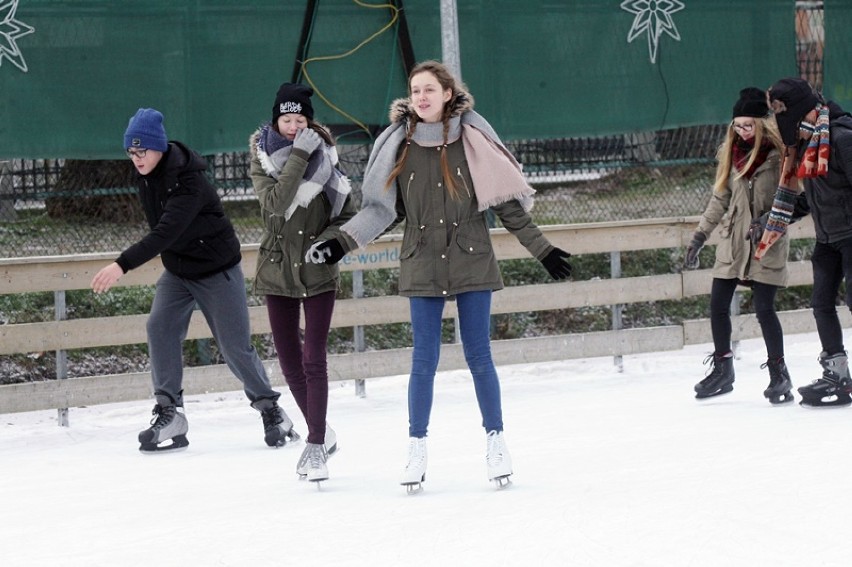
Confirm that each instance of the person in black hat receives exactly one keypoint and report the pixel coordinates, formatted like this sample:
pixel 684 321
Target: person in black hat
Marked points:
pixel 304 197
pixel 201 256
pixel 818 160
pixel 746 178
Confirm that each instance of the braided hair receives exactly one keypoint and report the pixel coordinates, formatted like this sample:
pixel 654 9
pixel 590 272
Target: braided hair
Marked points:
pixel 447 82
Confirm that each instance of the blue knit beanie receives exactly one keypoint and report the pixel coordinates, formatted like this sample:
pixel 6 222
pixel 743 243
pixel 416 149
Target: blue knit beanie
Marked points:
pixel 145 130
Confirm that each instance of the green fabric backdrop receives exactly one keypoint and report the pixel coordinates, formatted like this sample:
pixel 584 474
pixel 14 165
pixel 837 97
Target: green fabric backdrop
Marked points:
pixel 537 69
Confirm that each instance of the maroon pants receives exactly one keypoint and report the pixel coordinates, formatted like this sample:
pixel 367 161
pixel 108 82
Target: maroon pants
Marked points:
pixel 303 363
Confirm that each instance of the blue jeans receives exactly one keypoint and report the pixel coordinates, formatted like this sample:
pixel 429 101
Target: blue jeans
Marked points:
pixel 474 310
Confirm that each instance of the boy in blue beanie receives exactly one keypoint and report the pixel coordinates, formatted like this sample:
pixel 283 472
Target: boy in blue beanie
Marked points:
pixel 201 256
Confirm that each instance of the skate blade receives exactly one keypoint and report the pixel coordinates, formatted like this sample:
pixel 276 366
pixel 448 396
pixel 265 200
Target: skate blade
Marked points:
pixel 722 392
pixel 502 482
pixel 412 488
pixel 178 443
pixel 277 442
pixel 781 400
pixel 823 404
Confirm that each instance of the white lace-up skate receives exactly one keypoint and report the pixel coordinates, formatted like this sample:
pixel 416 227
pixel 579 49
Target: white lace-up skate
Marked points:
pixel 415 471
pixel 330 449
pixel 316 456
pixel 498 459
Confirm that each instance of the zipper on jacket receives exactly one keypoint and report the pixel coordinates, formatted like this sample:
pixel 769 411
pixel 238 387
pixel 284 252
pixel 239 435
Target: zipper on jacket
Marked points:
pixel 464 183
pixel 408 187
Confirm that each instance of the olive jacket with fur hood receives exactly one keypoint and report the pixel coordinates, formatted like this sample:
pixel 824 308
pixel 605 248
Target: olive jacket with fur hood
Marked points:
pixel 446 247
pixel 281 267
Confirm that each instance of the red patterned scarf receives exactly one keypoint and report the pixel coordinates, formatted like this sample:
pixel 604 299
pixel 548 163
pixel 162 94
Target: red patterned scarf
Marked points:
pixel 815 161
pixel 742 151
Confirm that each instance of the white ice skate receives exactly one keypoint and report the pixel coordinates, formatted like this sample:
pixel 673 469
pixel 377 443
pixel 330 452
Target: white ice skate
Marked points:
pixel 330 449
pixel 415 471
pixel 315 456
pixel 498 460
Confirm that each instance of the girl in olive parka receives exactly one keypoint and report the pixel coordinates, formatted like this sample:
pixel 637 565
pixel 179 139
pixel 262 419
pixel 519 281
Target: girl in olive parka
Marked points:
pixel 440 166
pixel 747 176
pixel 303 198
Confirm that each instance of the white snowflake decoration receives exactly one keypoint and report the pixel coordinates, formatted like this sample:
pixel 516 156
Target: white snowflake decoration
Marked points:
pixel 653 17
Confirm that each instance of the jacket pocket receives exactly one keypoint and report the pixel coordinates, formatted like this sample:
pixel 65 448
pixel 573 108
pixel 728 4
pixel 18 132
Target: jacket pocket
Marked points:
pixel 472 245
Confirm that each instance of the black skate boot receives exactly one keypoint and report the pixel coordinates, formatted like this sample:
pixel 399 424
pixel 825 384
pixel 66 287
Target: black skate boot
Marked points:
pixel 835 385
pixel 169 423
pixel 277 426
pixel 720 380
pixel 778 391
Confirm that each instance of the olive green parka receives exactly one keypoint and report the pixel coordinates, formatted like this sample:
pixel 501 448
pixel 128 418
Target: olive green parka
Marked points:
pixel 281 267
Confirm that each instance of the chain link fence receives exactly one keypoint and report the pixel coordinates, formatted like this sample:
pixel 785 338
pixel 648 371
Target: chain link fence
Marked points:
pixel 50 207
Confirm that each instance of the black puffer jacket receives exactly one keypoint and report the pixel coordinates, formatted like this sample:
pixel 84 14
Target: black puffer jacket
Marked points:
pixel 189 228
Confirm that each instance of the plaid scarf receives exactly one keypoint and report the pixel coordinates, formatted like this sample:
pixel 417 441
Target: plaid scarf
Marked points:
pixel 815 161
pixel 321 176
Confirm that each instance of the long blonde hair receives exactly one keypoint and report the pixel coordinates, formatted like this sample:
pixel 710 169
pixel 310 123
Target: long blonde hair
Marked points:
pixel 447 81
pixel 763 128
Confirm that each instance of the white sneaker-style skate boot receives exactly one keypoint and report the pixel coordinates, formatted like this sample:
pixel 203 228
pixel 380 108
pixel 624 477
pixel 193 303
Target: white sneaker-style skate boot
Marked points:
pixel 415 471
pixel 498 459
pixel 330 449
pixel 169 423
pixel 316 456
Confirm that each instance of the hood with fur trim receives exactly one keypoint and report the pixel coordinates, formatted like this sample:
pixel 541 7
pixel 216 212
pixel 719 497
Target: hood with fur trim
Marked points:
pixel 401 109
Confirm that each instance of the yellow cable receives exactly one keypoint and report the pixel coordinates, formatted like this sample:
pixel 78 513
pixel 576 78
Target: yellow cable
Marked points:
pixel 347 54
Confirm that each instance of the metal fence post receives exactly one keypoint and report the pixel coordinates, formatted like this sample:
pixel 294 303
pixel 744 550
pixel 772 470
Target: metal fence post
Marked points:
pixel 618 308
pixel 61 355
pixel 360 342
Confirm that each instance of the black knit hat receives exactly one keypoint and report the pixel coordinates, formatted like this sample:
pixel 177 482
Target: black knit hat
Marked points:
pixel 293 98
pixel 791 100
pixel 752 103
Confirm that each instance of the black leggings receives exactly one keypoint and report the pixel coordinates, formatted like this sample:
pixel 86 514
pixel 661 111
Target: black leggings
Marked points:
pixel 763 295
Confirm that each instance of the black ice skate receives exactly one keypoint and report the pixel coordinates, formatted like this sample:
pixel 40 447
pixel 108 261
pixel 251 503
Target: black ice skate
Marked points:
pixel 720 380
pixel 277 426
pixel 169 424
pixel 780 386
pixel 833 389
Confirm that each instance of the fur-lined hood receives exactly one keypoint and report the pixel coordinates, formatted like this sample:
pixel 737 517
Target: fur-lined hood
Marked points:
pixel 401 109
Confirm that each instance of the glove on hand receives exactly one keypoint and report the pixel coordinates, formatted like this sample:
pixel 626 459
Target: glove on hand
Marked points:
pixel 556 264
pixel 695 246
pixel 307 140
pixel 756 228
pixel 325 252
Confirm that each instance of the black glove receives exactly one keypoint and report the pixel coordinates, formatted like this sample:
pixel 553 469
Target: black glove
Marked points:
pixel 325 252
pixel 556 264
pixel 756 228
pixel 695 246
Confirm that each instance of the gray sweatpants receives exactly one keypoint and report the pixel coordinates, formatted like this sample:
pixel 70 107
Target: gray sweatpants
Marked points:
pixel 222 299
